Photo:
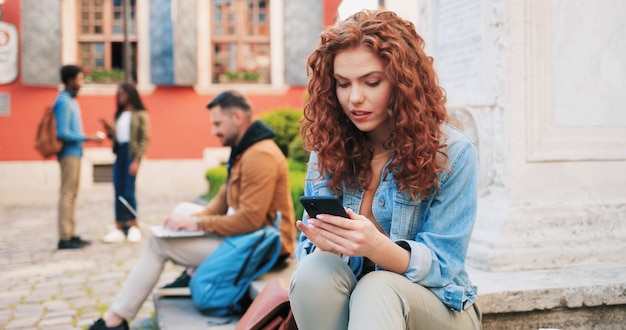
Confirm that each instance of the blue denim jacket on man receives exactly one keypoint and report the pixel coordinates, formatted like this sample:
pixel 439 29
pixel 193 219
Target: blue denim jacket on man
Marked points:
pixel 437 228
pixel 69 125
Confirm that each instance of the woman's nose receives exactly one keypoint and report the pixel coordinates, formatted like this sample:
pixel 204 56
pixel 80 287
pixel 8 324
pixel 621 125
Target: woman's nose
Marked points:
pixel 356 95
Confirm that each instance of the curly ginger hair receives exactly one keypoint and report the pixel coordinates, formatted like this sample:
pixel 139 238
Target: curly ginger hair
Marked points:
pixel 416 105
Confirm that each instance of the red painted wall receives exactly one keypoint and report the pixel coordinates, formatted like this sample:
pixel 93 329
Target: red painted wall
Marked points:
pixel 330 11
pixel 180 122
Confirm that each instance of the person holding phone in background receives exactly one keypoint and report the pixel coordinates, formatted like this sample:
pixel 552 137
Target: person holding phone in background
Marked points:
pixel 375 126
pixel 130 135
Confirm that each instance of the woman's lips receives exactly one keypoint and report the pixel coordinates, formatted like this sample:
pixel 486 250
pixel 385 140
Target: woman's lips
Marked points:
pixel 359 114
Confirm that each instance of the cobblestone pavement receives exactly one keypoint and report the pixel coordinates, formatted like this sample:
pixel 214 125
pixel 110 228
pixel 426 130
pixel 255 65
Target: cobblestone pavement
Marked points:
pixel 45 288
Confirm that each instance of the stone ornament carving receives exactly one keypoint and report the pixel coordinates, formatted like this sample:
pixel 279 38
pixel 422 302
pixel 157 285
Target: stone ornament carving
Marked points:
pixel 484 125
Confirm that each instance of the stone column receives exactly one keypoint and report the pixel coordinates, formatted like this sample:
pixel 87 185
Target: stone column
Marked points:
pixel 539 87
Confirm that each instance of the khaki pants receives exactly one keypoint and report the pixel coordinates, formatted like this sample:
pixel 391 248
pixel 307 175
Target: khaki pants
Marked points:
pixel 184 251
pixel 325 294
pixel 70 180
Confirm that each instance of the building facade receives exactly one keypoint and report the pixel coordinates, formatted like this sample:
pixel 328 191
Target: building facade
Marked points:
pixel 182 53
pixel 537 84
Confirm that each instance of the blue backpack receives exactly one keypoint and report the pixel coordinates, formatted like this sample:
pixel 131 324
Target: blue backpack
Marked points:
pixel 219 285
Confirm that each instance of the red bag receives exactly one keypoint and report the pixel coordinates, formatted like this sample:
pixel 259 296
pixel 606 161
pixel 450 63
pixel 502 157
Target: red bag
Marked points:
pixel 270 310
pixel 46 141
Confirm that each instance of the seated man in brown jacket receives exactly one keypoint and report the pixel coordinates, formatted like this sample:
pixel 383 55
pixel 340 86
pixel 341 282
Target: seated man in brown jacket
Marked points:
pixel 256 188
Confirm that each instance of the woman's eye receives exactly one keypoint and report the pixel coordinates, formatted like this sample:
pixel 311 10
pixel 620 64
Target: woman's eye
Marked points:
pixel 373 83
pixel 342 85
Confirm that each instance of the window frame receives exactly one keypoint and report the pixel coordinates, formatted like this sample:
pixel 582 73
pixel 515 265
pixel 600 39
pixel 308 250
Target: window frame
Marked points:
pixel 246 44
pixel 70 46
pixel 107 37
pixel 204 83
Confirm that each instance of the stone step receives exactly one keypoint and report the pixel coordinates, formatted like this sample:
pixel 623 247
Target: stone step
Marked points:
pixel 592 297
pixel 175 310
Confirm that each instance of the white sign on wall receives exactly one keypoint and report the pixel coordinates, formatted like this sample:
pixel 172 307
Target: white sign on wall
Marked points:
pixel 459 54
pixel 8 53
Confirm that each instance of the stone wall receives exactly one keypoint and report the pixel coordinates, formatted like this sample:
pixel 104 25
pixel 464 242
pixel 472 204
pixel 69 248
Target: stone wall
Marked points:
pixel 535 95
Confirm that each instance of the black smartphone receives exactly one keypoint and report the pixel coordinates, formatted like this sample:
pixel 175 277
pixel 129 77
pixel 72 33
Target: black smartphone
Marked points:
pixel 315 205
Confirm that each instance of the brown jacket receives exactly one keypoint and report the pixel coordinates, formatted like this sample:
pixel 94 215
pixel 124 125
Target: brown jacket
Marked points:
pixel 139 134
pixel 258 187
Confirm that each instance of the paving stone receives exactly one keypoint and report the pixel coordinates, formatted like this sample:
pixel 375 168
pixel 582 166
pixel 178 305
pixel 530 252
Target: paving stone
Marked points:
pixel 72 293
pixel 59 314
pixel 39 296
pixel 46 288
pixel 73 280
pixel 61 327
pixel 56 320
pixel 84 323
pixel 5 315
pixel 14 296
pixel 55 305
pixel 26 322
pixel 28 309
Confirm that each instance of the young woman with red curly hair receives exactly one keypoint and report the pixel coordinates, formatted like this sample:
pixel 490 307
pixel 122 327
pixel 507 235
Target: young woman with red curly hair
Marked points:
pixel 375 126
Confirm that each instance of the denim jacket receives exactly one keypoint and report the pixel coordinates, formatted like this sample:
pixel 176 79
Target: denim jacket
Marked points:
pixel 69 125
pixel 437 228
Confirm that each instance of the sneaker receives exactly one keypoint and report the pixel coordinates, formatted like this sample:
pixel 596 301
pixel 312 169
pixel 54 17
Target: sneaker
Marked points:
pixel 68 244
pixel 114 236
pixel 181 282
pixel 100 325
pixel 80 241
pixel 134 234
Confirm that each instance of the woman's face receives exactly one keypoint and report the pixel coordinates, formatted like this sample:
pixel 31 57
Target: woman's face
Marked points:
pixel 122 97
pixel 363 90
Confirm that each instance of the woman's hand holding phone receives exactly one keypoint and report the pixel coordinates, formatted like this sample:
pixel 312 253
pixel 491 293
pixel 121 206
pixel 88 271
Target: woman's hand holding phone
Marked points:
pixel 338 230
pixel 107 126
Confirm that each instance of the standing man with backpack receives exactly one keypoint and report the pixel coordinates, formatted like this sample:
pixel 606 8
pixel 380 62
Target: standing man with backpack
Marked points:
pixel 256 189
pixel 70 132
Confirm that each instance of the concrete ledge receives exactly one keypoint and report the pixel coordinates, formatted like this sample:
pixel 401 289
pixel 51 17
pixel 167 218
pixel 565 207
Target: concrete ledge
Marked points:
pixel 175 309
pixel 524 291
pixel 574 298
pixel 177 313
pixel 592 297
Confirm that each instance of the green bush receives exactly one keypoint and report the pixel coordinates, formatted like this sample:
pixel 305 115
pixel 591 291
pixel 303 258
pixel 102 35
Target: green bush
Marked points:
pixel 239 76
pixel 297 175
pixel 286 124
pixel 216 177
pixel 297 151
pixel 105 76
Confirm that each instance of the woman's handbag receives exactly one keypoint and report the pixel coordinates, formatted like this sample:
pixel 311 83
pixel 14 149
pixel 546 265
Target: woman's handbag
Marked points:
pixel 270 310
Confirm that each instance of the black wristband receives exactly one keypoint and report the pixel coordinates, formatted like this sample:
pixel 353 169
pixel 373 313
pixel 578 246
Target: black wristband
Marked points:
pixel 404 245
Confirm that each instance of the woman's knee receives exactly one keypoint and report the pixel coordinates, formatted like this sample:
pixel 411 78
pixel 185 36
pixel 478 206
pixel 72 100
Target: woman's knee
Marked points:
pixel 318 269
pixel 376 285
